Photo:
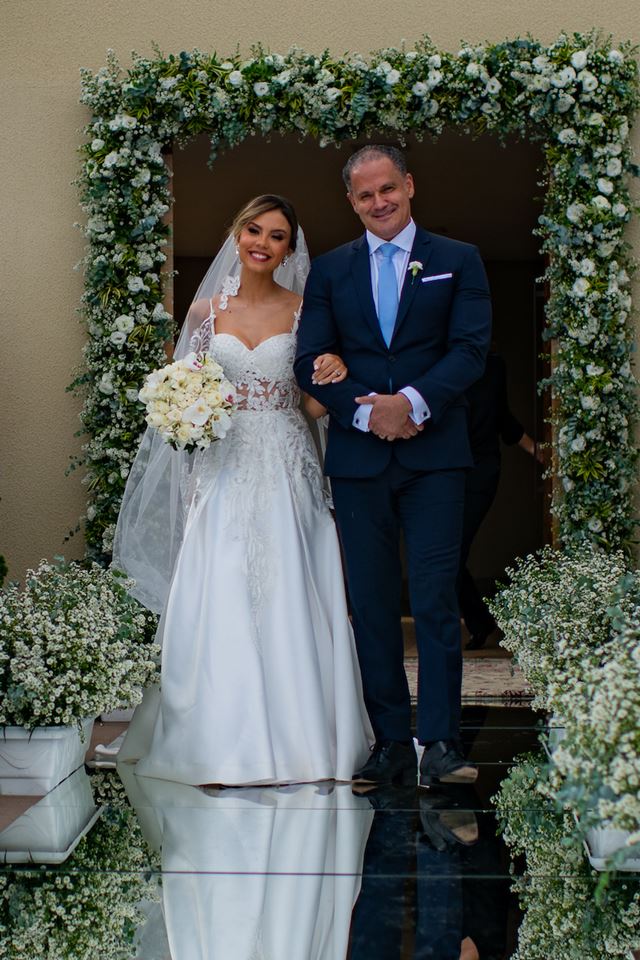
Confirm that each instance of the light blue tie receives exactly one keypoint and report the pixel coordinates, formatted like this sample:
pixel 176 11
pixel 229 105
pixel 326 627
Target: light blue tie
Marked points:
pixel 387 291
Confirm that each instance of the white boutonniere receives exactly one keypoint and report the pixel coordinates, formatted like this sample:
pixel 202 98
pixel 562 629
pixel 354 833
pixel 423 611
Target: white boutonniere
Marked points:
pixel 415 266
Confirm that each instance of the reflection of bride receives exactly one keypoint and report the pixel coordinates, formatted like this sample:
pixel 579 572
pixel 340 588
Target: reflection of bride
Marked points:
pixel 258 872
pixel 237 549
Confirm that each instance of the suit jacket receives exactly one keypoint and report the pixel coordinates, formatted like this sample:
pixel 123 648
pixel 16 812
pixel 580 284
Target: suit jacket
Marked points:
pixel 439 344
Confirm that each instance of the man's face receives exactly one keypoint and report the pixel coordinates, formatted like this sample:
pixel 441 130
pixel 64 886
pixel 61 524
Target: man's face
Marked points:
pixel 381 196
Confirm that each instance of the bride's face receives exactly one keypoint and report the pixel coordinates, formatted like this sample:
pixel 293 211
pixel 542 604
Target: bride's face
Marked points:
pixel 264 242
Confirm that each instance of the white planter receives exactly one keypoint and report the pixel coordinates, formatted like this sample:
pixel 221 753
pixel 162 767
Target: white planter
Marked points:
pixel 33 762
pixel 602 843
pixel 118 716
pixel 50 830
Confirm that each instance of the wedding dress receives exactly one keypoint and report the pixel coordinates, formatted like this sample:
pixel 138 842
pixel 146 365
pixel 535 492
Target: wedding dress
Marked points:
pixel 260 680
pixel 257 873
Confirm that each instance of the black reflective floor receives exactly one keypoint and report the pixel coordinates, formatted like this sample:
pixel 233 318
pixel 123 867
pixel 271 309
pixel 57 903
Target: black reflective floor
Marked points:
pixel 308 872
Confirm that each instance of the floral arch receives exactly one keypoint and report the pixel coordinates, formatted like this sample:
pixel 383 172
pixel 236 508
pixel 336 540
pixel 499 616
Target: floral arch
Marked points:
pixel 576 97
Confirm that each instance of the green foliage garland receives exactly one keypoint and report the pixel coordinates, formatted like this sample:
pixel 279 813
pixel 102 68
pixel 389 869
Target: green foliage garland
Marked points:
pixel 575 96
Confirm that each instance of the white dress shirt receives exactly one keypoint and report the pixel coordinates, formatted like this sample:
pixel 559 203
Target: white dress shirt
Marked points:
pixel 400 259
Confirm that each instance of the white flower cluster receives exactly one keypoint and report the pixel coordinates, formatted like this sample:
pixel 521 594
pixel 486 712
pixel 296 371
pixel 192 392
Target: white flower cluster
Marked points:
pixel 189 402
pixel 89 909
pixel 565 917
pixel 573 624
pixel 73 644
pixel 576 96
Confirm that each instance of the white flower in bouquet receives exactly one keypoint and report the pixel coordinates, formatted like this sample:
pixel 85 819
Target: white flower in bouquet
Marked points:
pixel 189 402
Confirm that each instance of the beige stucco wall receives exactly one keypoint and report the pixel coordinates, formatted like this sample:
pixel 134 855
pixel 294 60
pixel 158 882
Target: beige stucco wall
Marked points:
pixel 43 45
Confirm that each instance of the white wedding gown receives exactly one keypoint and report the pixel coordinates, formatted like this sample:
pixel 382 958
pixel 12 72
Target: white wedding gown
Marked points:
pixel 260 681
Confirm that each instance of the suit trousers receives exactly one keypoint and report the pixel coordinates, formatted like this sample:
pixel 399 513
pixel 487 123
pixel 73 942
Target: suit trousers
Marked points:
pixel 427 507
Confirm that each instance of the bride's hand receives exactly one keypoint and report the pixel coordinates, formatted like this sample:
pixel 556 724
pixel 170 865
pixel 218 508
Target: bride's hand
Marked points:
pixel 328 368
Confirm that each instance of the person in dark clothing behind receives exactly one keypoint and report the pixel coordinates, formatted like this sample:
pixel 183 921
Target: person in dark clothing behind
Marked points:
pixel 490 421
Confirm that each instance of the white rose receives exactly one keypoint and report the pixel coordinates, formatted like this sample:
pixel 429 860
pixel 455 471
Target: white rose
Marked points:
pixel 579 59
pixel 420 89
pixel 578 445
pixel 593 370
pixel 595 524
pixel 575 212
pixel 124 323
pixel 283 78
pixel 580 287
pixel 541 63
pixel 589 403
pixel 564 103
pixel 384 67
pixel 261 89
pixel 493 86
pixel 235 78
pixel 434 78
pixel 595 120
pixel 105 385
pixel 620 210
pixel 605 186
pixel 587 267
pixel 615 56
pixel 131 394
pixel 91 512
pixel 111 159
pixel 473 69
pixel 97 144
pixel 568 484
pixel 564 77
pixel 601 203
pixel 435 62
pixel 392 77
pixel 332 93
pixel 614 167
pixel 568 135
pixel 227 65
pixel 135 284
pixel 588 80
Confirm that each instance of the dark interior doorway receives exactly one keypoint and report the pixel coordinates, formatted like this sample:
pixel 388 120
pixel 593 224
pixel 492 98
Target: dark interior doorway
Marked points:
pixel 473 190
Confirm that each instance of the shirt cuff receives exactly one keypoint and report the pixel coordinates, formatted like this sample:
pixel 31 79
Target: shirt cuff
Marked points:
pixel 362 416
pixel 419 409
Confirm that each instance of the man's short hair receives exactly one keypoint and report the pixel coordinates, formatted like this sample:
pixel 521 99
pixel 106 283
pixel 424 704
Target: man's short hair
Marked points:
pixel 373 150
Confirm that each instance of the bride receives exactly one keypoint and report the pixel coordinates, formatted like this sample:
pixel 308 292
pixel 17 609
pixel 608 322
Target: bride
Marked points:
pixel 237 549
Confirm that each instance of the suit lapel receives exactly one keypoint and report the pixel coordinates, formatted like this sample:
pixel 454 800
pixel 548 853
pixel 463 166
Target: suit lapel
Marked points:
pixel 421 251
pixel 361 271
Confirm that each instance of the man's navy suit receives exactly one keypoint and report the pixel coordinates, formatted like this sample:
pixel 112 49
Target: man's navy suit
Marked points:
pixel 439 345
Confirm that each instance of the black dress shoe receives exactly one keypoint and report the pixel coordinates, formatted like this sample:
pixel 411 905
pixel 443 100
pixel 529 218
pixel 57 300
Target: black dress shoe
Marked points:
pixel 390 762
pixel 478 639
pixel 443 762
pixel 444 827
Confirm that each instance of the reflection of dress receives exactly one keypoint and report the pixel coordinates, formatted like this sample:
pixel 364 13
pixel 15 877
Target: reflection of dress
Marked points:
pixel 260 681
pixel 258 873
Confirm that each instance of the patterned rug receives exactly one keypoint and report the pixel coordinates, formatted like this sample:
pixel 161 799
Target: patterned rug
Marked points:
pixel 484 681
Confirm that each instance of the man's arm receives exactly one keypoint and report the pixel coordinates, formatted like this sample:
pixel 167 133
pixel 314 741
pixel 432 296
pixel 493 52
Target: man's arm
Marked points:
pixel 468 340
pixel 318 334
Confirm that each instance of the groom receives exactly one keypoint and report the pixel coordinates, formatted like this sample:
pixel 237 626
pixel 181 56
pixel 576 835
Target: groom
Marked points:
pixel 409 313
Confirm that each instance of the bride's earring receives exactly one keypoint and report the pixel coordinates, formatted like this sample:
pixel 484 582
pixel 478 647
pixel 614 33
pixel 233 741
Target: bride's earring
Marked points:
pixel 237 251
pixel 285 260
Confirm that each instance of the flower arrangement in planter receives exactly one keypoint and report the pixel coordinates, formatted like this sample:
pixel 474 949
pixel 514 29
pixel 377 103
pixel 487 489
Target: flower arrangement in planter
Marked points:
pixel 73 644
pixel 568 913
pixel 89 907
pixel 595 772
pixel 557 617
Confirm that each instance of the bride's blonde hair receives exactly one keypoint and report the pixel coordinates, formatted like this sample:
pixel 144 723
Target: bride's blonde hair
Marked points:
pixel 264 204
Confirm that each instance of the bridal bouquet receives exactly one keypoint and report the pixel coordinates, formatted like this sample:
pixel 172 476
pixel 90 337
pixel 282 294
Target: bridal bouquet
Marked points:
pixel 189 402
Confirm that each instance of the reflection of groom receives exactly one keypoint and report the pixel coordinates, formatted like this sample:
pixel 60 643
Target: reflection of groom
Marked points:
pixel 409 312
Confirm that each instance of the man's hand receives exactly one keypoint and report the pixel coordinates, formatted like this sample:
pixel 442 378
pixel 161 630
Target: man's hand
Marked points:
pixel 390 418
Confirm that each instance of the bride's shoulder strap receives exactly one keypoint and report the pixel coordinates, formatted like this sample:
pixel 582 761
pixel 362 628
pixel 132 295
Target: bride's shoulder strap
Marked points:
pixel 296 318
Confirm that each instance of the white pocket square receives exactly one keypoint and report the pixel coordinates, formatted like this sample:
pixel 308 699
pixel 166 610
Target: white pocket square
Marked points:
pixel 437 276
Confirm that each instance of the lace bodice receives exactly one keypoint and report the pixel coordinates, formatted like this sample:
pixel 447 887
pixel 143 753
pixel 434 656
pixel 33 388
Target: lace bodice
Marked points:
pixel 263 376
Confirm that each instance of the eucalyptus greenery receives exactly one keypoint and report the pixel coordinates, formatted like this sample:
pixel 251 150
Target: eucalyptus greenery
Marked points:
pixel 569 913
pixel 575 96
